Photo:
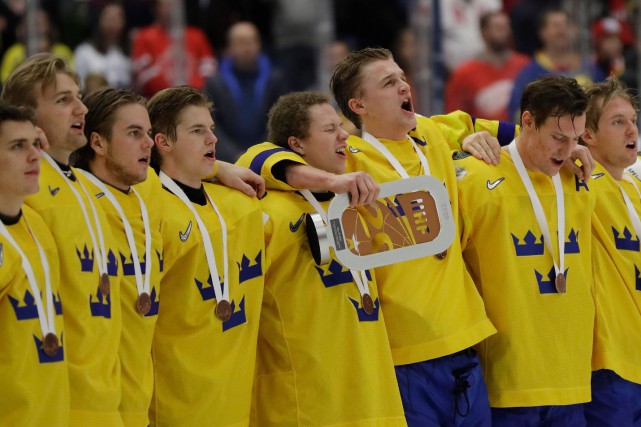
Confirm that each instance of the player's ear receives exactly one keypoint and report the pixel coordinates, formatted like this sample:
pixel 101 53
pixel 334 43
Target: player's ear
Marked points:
pixel 162 142
pixel 527 120
pixel 98 143
pixel 588 137
pixel 295 145
pixel 356 106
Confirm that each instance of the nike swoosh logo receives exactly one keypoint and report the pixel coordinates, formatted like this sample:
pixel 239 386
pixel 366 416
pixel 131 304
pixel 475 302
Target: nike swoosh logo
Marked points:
pixel 294 227
pixel 184 236
pixel 54 191
pixel 353 150
pixel 597 175
pixel 493 185
pixel 1 254
pixel 99 195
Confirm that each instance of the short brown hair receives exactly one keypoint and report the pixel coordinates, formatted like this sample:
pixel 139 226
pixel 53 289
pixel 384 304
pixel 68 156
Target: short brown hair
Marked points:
pixel 12 113
pixel 40 69
pixel 346 81
pixel 289 116
pixel 553 96
pixel 102 105
pixel 165 107
pixel 599 94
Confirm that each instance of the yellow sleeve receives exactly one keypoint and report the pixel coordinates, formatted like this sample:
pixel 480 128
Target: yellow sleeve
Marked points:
pixel 13 57
pixel 65 53
pixel 457 125
pixel 262 158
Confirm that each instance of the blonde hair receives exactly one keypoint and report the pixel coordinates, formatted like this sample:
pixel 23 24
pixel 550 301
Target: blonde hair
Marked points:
pixel 40 69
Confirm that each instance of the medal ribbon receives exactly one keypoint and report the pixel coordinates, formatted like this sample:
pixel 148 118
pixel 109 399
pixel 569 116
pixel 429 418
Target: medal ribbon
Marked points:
pixel 142 285
pixel 47 324
pixel 99 251
pixel 393 160
pixel 222 294
pixel 634 216
pixel 360 277
pixel 538 209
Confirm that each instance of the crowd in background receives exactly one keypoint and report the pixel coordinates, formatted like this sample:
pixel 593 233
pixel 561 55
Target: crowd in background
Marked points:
pixel 246 53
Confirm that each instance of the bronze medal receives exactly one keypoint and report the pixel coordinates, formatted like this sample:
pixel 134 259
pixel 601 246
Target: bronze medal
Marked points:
pixel 223 310
pixel 50 344
pixel 143 304
pixel 441 256
pixel 104 285
pixel 368 304
pixel 560 283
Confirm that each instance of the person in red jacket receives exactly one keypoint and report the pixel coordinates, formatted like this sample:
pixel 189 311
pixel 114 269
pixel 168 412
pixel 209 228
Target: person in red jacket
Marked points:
pixel 482 86
pixel 154 59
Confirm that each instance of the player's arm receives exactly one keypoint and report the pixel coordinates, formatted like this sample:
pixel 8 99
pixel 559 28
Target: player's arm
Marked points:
pixel 283 169
pixel 240 178
pixel 481 138
pixel 361 186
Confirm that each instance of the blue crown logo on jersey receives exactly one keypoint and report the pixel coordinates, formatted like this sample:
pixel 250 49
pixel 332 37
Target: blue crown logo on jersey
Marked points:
pixel 101 307
pixel 547 286
pixel 161 260
pixel 237 317
pixel 128 267
pixel 26 310
pixel 112 264
pixel 637 278
pixel 626 242
pixel 155 303
pixel 529 246
pixel 248 271
pixel 362 315
pixel 334 274
pixel 42 356
pixel 207 293
pixel 572 244
pixel 57 304
pixel 86 259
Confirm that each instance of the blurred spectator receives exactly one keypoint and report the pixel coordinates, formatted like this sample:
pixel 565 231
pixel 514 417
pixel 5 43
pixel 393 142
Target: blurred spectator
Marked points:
pixel 524 15
pixel 153 57
pixel 294 28
pixel 614 49
pixel 11 13
pixel 104 54
pixel 93 82
pixel 482 86
pixel 461 33
pixel 331 55
pixel 215 17
pixel 47 42
pixel 556 57
pixel 243 91
pixel 405 54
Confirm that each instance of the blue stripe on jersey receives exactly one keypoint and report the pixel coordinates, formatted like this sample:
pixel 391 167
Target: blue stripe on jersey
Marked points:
pixel 505 134
pixel 257 164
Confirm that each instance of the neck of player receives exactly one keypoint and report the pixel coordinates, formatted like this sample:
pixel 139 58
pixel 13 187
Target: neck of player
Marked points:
pixel 10 205
pixel 60 155
pixel 99 169
pixel 186 177
pixel 381 131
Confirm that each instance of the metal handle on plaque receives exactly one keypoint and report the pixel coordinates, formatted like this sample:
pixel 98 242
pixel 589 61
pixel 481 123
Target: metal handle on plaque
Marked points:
pixel 412 218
